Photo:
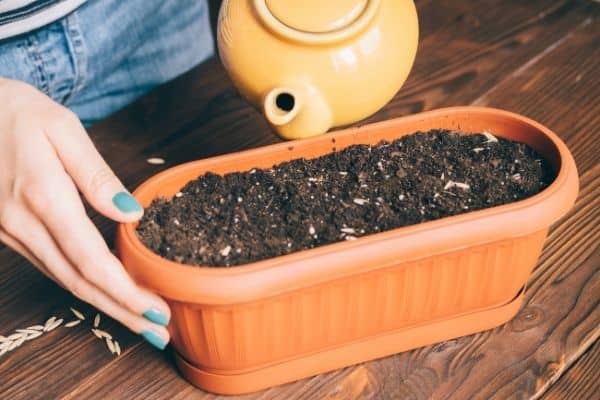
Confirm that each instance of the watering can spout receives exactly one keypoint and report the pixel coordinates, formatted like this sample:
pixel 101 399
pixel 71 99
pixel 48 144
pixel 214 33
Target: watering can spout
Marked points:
pixel 297 112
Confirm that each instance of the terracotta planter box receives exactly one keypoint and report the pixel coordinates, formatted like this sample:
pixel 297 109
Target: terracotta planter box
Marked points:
pixel 245 328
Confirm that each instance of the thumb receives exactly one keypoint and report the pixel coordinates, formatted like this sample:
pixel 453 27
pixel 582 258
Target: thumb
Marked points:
pixel 92 175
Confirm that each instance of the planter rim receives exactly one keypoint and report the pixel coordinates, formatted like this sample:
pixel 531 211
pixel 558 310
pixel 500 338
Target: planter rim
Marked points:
pixel 267 278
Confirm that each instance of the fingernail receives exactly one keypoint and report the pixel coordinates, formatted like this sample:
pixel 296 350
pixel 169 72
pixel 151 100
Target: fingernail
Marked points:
pixel 126 202
pixel 154 339
pixel 156 316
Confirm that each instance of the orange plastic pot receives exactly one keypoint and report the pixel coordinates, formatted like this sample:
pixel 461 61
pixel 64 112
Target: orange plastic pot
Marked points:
pixel 245 328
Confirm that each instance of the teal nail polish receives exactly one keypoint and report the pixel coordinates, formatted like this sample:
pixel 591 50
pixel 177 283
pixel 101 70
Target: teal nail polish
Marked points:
pixel 126 202
pixel 154 339
pixel 156 316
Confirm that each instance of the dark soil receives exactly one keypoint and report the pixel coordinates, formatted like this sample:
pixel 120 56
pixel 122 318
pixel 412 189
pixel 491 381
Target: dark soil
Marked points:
pixel 244 217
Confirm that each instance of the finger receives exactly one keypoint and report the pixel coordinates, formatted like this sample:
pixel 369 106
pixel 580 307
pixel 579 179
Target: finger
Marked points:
pixel 17 246
pixel 92 175
pixel 56 203
pixel 45 250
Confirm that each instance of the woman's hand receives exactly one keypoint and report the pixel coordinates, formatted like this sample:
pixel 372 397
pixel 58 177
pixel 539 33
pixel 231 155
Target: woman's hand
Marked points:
pixel 45 156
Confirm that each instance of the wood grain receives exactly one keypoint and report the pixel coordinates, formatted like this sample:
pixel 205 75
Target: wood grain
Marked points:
pixel 581 380
pixel 536 58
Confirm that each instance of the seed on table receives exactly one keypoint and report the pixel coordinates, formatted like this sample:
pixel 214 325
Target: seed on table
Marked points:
pixel 77 313
pixel 36 327
pixel 54 325
pixel 97 321
pixel 111 346
pixel 35 335
pixel 155 160
pixel 27 331
pixel 15 336
pixel 117 348
pixel 49 322
pixel 73 323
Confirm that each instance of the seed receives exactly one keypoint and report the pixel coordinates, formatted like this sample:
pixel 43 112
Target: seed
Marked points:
pixel 27 331
pixel 97 320
pixel 73 323
pixel 49 322
pixel 349 237
pixel 3 339
pixel 348 230
pixel 111 346
pixel 104 334
pixel 34 335
pixel 36 327
pixel 54 325
pixel 225 251
pixel 311 230
pixel 96 333
pixel 401 197
pixel 460 185
pixel 155 161
pixel 77 313
pixel 15 336
pixel 117 348
pixel 343 173
pixel 178 194
pixel 490 138
pixel 15 344
pixel 360 202
pixel 478 149
pixel 4 345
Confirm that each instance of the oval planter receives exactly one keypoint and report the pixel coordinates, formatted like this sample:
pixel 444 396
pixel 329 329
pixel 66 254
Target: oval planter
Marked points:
pixel 245 328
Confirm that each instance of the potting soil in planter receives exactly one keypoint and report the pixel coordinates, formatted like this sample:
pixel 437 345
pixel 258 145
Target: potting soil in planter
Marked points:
pixel 249 216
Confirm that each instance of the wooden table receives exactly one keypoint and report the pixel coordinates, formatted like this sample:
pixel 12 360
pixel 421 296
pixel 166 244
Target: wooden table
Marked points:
pixel 539 58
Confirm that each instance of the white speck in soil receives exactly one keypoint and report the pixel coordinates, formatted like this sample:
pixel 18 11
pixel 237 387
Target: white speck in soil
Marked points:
pixel 239 199
pixel 478 149
pixel 348 230
pixel 401 197
pixel 311 230
pixel 178 194
pixel 176 222
pixel 490 138
pixel 460 185
pixel 225 251
pixel 349 237
pixel 360 202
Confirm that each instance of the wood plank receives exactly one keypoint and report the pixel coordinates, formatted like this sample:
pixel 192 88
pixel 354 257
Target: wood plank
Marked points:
pixel 580 381
pixel 467 52
pixel 546 340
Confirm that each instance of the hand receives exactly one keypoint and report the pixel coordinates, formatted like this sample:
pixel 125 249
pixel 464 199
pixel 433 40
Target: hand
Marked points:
pixel 45 156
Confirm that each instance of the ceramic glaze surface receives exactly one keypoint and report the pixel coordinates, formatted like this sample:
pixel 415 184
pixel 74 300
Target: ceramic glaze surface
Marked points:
pixel 312 67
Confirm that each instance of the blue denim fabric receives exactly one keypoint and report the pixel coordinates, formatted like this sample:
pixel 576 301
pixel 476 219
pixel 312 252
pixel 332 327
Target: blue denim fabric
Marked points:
pixel 109 52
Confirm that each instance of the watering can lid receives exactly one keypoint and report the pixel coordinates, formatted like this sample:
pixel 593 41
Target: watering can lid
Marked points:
pixel 317 16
